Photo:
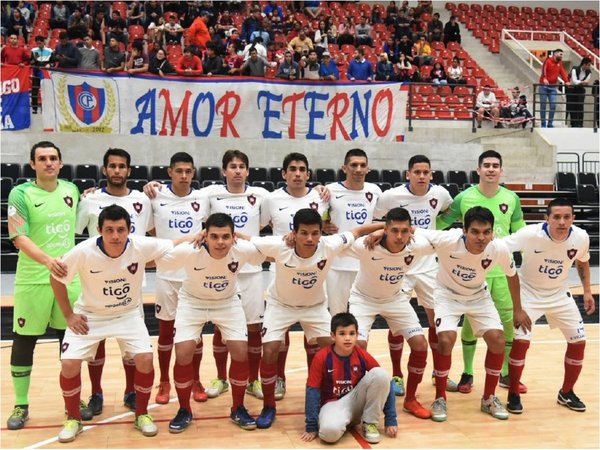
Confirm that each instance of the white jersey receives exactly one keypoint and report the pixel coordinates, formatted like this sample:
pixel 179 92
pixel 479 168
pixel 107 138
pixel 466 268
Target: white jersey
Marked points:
pixel 207 279
pixel 349 209
pixel 280 207
pixel 546 263
pixel 381 272
pixel 423 210
pixel 135 203
pixel 111 286
pixel 244 208
pixel 299 282
pixel 175 217
pixel 461 272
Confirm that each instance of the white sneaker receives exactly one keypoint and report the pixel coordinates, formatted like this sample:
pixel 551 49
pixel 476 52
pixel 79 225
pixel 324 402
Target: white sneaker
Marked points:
pixel 146 425
pixel 494 407
pixel 279 388
pixel 217 387
pixel 70 431
pixel 438 410
pixel 255 388
pixel 371 433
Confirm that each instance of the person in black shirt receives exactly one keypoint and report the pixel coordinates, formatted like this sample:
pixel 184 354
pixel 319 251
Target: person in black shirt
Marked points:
pixel 451 31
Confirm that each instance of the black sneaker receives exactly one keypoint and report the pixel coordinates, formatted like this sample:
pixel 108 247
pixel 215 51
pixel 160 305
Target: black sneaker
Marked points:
pixel 266 417
pixel 513 405
pixel 465 385
pixel 570 400
pixel 181 421
pixel 96 403
pixel 241 417
pixel 129 400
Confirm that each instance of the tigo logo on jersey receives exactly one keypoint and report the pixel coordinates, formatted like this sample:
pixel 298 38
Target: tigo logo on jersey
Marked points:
pixel 252 200
pixel 433 202
pixel 132 268
pixel 503 207
pixel 485 263
pixel 571 253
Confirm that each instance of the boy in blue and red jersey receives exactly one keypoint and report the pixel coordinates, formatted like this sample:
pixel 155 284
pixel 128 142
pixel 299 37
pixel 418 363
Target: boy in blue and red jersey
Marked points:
pixel 346 386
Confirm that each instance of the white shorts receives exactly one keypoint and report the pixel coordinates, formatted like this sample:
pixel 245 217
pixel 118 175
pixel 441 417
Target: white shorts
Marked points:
pixel 338 285
pixel 399 314
pixel 315 321
pixel 228 315
pixel 482 313
pixel 128 329
pixel 424 284
pixel 167 295
pixel 252 292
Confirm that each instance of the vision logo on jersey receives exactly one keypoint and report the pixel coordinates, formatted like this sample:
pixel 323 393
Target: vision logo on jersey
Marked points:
pixel 313 205
pixel 433 202
pixel 69 201
pixel 571 253
pixel 132 268
pixel 21 322
pixel 408 259
pixel 137 206
pixel 503 208
pixel 233 266
pixel 64 347
pixel 321 264
pixel 485 263
pixel 369 196
pixel 252 200
pixel 196 206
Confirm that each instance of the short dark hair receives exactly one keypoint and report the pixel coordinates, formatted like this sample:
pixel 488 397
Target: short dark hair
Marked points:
pixel 138 45
pixel 489 154
pixel 211 45
pixel 63 35
pixel 114 213
pixel 43 144
pixel 219 220
pixel 478 214
pixel 187 49
pixel 40 38
pixel 585 60
pixel 294 156
pixel 559 201
pixel 397 214
pixel 116 152
pixel 230 155
pixel 557 50
pixel 343 319
pixel 416 159
pixel 307 216
pixel 181 157
pixel 358 152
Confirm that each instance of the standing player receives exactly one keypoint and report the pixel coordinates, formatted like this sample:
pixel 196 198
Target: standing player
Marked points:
pixel 424 201
pixel 178 211
pixel 351 204
pixel 116 168
pixel 279 210
pixel 41 223
pixel 549 250
pixel 508 217
pixel 111 268
pixel 465 256
pixel 210 293
pixel 297 293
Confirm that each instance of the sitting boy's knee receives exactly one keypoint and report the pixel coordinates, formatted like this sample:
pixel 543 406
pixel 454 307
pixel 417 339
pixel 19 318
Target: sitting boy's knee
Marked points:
pixel 331 433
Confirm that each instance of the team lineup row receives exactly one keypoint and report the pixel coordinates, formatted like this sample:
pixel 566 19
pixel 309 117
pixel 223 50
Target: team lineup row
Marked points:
pixel 199 285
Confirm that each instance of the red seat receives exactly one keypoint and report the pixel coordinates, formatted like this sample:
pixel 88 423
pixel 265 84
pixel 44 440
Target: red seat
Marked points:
pixel 462 112
pixel 434 100
pixel 424 112
pixel 444 90
pixel 443 112
pixel 461 91
pixel 417 100
pixel 121 7
pixel 453 101
pixel 437 45
pixel 425 89
pixel 426 71
pixel 453 46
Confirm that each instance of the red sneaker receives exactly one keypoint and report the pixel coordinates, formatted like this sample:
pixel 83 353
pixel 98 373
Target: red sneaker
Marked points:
pixel 198 393
pixel 416 409
pixel 162 396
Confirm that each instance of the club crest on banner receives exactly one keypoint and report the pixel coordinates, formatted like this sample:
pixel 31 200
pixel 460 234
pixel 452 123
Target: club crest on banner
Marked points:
pixel 85 107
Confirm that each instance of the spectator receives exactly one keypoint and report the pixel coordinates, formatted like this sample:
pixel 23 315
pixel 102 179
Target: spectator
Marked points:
pixel 26 12
pixel 13 54
pixel 288 69
pixel 59 15
pixel 159 64
pixel 438 74
pixel 328 69
pixel 376 15
pixel 384 70
pixel 332 32
pixel 17 24
pixel 417 27
pixel 312 9
pixel 435 29
pixel 89 56
pixel 116 28
pixel 551 70
pixel 41 57
pixel 135 14
pixel 212 64
pixel 97 26
pixel 114 58
pixel 198 34
pixel 189 12
pixel 321 37
pixel 264 32
pixel 580 77
pixel 272 7
pixel 392 14
pixel 309 67
pixel 189 65
pixel 455 73
pixel 451 31
pixel 422 52
pixel 403 69
pixel 487 106
pixel 232 61
pixel 406 47
pixel 402 25
pixel 234 39
pixel 516 111
pixel 359 68
pixel 100 6
pixel 225 21
pixel 346 32
pixel 172 31
pixel 300 45
pixel 255 65
pixel 276 22
pixel 424 6
pixel 66 53
pixel 251 24
pixel 363 33
pixel 257 44
pixel 78 25
pixel 138 61
pixel 154 11
pixel 390 46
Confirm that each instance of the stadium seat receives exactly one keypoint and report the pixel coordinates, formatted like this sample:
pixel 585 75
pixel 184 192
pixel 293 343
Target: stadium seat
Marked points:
pixel 280 184
pixel 425 89
pixel 27 171
pixel 474 176
pixel 384 186
pixel 139 172
pixel 443 112
pixel 444 90
pixel 208 173
pixel 211 182
pixel 453 101
pixel 434 100
pixel 372 176
pixel 391 176
pixel 424 112
pixel 136 184
pixel 437 176
pixel 566 181
pixel 462 112
pixel 275 174
pixel 417 100
pixel 458 177
pixel 587 178
pixel 452 188
pixel 268 185
pixel 325 176
pixel 84 183
pixel 587 194
pixel 312 184
pixel 196 184
pixel 66 172
pixel 258 174
pixel 6 184
pixel 159 173
pixel 10 170
pixel 87 171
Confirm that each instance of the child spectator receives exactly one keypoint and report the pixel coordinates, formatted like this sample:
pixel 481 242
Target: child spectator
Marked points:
pixel 138 61
pixel 455 72
pixel 438 74
pixel 328 69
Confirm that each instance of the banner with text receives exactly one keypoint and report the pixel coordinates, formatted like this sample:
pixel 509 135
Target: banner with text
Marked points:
pixel 16 83
pixel 246 108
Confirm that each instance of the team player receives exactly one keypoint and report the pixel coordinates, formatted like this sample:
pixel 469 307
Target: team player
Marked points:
pixel 351 204
pixel 424 201
pixel 116 168
pixel 465 257
pixel 178 211
pixel 210 293
pixel 111 267
pixel 549 250
pixel 297 294
pixel 278 210
pixel 508 217
pixel 346 386
pixel 41 223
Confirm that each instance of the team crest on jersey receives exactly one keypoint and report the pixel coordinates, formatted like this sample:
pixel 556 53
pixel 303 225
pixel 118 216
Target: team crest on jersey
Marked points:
pixel 21 322
pixel 233 266
pixel 571 253
pixel 321 264
pixel 485 263
pixel 433 202
pixel 252 200
pixel 196 206
pixel 355 369
pixel 132 268
pixel 69 201
pixel 408 259
pixel 64 347
pixel 138 207
pixel 313 205
pixel 157 308
pixel 369 196
pixel 503 207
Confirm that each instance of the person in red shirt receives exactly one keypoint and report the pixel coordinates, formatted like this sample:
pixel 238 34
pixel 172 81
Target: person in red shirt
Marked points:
pixel 346 386
pixel 198 32
pixel 13 54
pixel 189 65
pixel 551 70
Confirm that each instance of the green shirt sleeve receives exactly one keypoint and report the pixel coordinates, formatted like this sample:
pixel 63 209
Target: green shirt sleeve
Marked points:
pixel 453 213
pixel 516 221
pixel 18 212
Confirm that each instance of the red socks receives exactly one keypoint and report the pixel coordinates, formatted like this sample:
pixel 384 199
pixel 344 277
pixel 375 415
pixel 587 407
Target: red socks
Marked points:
pixel 311 351
pixel 441 371
pixel 143 389
pixel 396 344
pixel 254 354
pixel 283 352
pixel 71 391
pixel 165 347
pixel 198 351
pixel 129 366
pixel 183 376
pixel 493 366
pixel 268 375
pixel 516 363
pixel 416 366
pixel 573 365
pixel 220 354
pixel 238 378
pixel 433 343
pixel 95 368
